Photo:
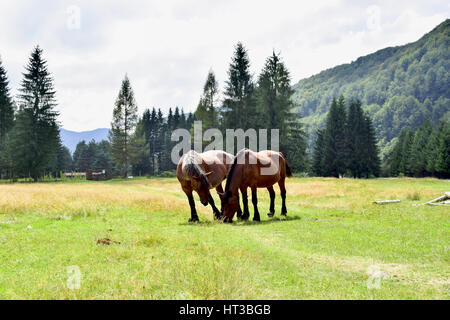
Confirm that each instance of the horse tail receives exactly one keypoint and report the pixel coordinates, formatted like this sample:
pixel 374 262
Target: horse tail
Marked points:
pixel 288 169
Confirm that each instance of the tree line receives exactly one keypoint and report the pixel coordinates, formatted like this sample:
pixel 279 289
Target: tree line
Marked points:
pixel 142 144
pixel 30 145
pixel 347 145
pixel 424 152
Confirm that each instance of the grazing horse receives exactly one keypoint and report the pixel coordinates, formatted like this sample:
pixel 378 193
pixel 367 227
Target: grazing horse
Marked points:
pixel 201 172
pixel 254 170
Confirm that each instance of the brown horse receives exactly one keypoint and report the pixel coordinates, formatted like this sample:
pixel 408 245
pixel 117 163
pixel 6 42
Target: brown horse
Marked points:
pixel 254 170
pixel 201 172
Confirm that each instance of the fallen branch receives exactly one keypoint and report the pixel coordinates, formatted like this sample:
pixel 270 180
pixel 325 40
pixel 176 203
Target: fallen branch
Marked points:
pixel 446 196
pixel 386 201
pixel 441 201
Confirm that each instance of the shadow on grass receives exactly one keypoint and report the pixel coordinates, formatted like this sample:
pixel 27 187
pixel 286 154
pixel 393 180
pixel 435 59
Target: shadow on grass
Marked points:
pixel 209 223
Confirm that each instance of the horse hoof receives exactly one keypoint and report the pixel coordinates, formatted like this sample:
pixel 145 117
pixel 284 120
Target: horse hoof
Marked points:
pixel 217 217
pixel 195 219
pixel 227 220
pixel 284 214
pixel 257 219
pixel 271 214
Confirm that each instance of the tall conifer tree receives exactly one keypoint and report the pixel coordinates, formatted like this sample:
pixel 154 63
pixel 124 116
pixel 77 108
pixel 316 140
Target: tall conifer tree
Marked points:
pixel 122 126
pixel 35 140
pixel 239 108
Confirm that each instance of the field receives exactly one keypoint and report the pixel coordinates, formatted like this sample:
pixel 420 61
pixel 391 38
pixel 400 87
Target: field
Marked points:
pixel 334 244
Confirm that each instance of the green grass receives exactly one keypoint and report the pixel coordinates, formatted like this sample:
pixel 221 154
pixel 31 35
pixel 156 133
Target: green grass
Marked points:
pixel 332 236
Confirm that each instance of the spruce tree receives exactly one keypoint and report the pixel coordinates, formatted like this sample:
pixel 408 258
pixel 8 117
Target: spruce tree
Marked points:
pixel 122 127
pixel 6 120
pixel 335 139
pixel 418 161
pixel 207 110
pixel 405 164
pixel 276 110
pixel 239 108
pixel 371 162
pixel 355 128
pixel 35 140
pixel 318 155
pixel 443 159
pixel 6 105
pixel 432 149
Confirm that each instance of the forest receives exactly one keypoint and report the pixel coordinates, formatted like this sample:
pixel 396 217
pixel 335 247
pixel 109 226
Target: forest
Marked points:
pixel 400 87
pixel 385 114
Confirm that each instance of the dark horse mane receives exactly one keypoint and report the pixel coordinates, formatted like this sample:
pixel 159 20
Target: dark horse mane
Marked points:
pixel 193 169
pixel 232 168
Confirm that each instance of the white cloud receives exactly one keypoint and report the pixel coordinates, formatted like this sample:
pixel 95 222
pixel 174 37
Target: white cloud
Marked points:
pixel 167 47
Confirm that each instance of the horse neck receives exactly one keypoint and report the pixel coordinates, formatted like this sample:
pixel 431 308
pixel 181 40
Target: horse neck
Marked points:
pixel 236 179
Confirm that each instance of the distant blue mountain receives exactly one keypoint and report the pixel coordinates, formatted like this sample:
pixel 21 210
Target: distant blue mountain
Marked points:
pixel 70 139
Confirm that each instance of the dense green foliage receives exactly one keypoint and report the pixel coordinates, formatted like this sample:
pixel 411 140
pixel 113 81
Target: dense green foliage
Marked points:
pixel 6 121
pixel 154 133
pixel 93 156
pixel 239 105
pixel 420 153
pixel 207 109
pixel 400 86
pixel 35 137
pixel 347 145
pixel 124 122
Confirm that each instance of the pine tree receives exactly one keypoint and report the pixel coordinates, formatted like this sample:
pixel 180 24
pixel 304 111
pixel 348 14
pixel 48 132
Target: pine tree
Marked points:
pixel 122 127
pixel 239 107
pixel 355 128
pixel 80 164
pixel 418 161
pixel 318 155
pixel 274 93
pixel 432 149
pixel 6 105
pixel 294 144
pixel 371 162
pixel 207 110
pixel 334 139
pixel 443 159
pixel 405 164
pixel 6 120
pixel 35 138
pixel 139 151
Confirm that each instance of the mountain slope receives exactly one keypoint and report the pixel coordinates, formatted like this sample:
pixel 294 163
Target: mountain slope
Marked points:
pixel 70 139
pixel 399 86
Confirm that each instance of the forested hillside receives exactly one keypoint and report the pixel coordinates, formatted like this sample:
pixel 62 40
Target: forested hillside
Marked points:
pixel 399 87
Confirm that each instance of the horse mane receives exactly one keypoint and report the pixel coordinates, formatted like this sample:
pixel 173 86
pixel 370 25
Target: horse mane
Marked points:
pixel 192 168
pixel 232 169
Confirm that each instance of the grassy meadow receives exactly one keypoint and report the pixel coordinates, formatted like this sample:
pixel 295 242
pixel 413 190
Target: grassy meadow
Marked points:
pixel 334 244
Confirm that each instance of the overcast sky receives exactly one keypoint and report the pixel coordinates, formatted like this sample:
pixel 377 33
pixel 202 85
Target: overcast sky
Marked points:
pixel 167 47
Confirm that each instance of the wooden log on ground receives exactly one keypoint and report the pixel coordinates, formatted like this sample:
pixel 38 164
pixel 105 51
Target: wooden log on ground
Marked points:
pixel 386 201
pixel 446 196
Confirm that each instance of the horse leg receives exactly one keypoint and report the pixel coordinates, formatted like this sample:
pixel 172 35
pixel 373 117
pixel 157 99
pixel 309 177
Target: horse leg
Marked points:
pixel 283 197
pixel 272 202
pixel 217 214
pixel 246 213
pixel 239 212
pixel 256 216
pixel 194 216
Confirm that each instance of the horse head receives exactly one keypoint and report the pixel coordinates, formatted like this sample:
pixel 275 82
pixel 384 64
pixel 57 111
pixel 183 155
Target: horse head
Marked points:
pixel 230 205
